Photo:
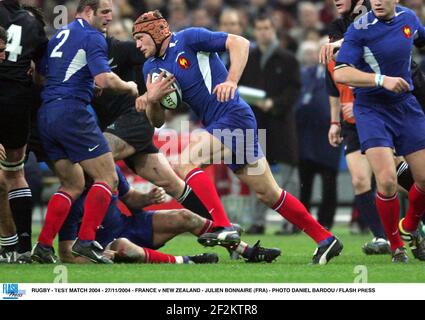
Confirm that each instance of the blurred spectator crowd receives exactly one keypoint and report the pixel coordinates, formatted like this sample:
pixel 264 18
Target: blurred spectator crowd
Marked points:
pixel 296 21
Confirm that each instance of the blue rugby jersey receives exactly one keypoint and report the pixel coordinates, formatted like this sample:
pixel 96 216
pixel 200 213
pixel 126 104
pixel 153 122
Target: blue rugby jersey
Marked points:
pixel 192 58
pixel 75 55
pixel 383 47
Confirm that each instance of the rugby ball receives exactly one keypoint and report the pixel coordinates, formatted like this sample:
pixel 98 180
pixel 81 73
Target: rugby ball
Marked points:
pixel 174 99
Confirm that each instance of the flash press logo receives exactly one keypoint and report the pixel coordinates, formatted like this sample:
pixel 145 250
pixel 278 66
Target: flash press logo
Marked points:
pixel 11 291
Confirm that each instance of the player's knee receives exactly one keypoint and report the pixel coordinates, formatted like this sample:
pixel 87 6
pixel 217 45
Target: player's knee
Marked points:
pixel 125 252
pixel 112 180
pixel 266 196
pixel 185 219
pixel 361 182
pixel 167 185
pixel 14 174
pixel 74 188
pixel 387 184
pixel 120 245
pixel 3 187
pixel 183 170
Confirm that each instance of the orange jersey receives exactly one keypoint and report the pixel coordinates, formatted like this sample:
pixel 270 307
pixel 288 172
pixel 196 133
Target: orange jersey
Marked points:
pixel 345 92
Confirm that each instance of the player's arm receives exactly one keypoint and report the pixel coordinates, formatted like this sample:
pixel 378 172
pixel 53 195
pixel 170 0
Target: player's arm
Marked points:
pixel 97 61
pixel 201 39
pixel 419 35
pixel 109 80
pixel 137 200
pixel 39 61
pixel 334 134
pixel 353 77
pixel 351 55
pixel 327 51
pixel 238 48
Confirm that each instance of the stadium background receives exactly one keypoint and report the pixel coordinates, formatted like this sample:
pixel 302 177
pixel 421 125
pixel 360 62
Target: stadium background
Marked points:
pixel 299 24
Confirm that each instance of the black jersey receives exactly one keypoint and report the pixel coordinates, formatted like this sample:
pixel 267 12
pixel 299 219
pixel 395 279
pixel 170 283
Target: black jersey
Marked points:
pixel 26 42
pixel 126 61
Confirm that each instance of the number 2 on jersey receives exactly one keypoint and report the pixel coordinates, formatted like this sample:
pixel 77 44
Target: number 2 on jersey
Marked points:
pixel 56 53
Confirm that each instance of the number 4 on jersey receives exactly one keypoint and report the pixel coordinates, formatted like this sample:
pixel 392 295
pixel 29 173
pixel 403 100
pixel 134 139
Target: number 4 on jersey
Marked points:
pixel 14 48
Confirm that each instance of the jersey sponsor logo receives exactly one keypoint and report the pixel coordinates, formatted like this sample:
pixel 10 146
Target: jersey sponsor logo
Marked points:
pixel 173 44
pixel 94 148
pixel 110 63
pixel 407 32
pixel 183 62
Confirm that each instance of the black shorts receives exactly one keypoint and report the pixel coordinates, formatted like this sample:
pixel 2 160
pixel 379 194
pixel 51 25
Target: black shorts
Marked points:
pixel 35 146
pixel 14 124
pixel 134 128
pixel 351 138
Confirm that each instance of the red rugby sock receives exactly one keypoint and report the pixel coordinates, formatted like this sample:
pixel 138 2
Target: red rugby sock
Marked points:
pixel 95 208
pixel 152 256
pixel 57 212
pixel 294 211
pixel 205 189
pixel 389 211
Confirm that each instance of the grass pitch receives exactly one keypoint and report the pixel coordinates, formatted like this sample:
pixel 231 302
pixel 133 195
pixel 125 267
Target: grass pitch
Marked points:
pixel 292 267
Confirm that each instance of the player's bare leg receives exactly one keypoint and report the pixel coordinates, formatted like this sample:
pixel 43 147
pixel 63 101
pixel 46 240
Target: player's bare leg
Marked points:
pixel 7 225
pixel 259 178
pixel 409 225
pixel 8 236
pixel 102 170
pixel 202 150
pixel 361 179
pixel 120 149
pixel 168 224
pixel 156 169
pixel 197 192
pixel 71 177
pixel 153 167
pixel 124 251
pixel 381 160
pixel 20 198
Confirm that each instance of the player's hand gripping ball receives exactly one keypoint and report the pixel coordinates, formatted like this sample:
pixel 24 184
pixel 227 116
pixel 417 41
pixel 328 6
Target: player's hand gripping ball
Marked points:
pixel 172 100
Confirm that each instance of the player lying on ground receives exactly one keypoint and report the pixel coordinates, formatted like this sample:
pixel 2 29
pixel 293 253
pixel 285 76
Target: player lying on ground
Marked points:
pixel 132 237
pixel 388 115
pixel 211 91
